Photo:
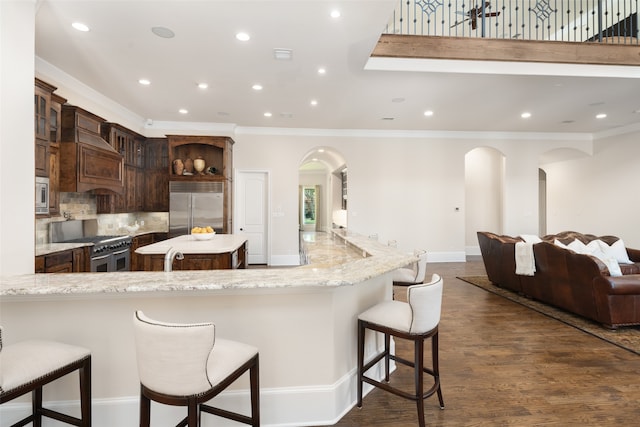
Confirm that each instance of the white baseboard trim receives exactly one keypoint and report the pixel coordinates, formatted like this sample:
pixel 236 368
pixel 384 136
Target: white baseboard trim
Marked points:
pixel 473 251
pixel 285 260
pixel 281 407
pixel 446 257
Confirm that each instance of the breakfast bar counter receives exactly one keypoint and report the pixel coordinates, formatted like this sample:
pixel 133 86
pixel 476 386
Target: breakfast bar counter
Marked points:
pixel 302 320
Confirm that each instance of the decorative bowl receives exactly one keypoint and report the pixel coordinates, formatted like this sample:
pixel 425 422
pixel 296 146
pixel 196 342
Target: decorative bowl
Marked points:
pixel 203 236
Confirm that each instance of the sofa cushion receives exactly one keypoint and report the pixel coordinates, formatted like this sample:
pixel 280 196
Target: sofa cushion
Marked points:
pixel 628 269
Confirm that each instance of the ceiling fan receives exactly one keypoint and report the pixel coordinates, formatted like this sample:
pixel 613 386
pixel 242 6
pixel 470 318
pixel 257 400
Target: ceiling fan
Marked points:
pixel 475 12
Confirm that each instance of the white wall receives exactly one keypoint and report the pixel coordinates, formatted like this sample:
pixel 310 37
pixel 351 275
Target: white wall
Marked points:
pixel 484 185
pixel 402 187
pixel 598 194
pixel 17 181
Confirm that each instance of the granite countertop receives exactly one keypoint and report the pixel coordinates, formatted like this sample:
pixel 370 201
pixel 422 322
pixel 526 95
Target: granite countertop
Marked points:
pixel 219 243
pixel 51 248
pixel 376 259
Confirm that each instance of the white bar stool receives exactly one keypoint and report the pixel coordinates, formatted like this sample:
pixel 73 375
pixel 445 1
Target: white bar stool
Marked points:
pixel 413 274
pixel 415 320
pixel 187 365
pixel 28 366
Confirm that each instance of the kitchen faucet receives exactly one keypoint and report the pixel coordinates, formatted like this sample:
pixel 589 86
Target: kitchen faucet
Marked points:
pixel 169 257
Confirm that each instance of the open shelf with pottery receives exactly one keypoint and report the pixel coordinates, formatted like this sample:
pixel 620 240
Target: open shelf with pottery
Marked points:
pixel 200 157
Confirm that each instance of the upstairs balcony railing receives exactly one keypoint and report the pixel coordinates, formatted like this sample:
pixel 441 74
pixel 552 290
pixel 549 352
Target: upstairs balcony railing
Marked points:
pixel 605 21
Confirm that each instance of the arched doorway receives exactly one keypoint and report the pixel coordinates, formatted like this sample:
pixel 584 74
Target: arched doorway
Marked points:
pixel 322 190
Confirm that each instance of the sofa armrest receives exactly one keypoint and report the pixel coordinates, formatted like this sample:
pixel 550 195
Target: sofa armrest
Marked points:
pixel 604 270
pixel 622 285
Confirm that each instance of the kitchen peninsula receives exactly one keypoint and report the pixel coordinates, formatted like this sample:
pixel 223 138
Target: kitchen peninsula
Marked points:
pixel 302 320
pixel 222 251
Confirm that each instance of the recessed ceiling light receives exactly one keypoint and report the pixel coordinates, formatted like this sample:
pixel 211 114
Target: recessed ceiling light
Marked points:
pixel 203 85
pixel 320 150
pixel 256 87
pixel 314 159
pixel 388 118
pixel 80 27
pixel 144 82
pixel 601 116
pixel 322 70
pixel 525 115
pixel 286 115
pixel 335 13
pixel 243 37
pixel 268 114
pixel 163 32
pixel 314 102
pixel 428 113
pixel 183 111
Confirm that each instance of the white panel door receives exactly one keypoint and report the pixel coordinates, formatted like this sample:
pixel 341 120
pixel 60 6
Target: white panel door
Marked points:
pixel 251 213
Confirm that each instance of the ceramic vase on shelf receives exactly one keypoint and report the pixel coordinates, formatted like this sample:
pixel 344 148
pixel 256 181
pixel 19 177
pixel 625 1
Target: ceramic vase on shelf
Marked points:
pixel 188 166
pixel 198 165
pixel 178 167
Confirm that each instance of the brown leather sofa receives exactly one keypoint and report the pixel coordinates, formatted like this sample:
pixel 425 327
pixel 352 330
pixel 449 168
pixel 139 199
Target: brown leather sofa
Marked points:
pixel 575 282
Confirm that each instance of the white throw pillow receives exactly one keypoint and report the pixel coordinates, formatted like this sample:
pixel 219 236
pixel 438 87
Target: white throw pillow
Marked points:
pixel 619 252
pixel 602 251
pixel 577 246
pixel 560 244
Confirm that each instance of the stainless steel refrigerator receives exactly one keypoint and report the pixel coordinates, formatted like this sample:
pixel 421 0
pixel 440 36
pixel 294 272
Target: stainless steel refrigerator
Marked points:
pixel 195 204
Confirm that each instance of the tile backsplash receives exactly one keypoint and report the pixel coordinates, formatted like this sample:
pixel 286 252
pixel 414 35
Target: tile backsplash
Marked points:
pixel 83 206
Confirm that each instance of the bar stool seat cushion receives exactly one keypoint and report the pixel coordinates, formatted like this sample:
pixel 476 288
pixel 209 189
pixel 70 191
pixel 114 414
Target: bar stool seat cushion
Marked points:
pixel 392 314
pixel 28 361
pixel 226 357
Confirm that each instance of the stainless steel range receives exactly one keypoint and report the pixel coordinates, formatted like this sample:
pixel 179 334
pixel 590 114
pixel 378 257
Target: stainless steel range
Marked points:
pixel 108 253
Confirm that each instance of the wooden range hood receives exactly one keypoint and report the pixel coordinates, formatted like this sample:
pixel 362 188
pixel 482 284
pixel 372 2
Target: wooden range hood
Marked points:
pixel 87 162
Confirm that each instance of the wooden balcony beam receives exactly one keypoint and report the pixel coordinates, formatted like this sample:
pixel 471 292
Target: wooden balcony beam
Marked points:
pixel 468 48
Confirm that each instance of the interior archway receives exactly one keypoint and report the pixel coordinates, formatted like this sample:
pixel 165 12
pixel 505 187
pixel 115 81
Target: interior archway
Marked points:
pixel 322 190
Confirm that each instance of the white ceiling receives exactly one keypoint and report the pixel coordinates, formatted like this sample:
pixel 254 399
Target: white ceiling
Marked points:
pixel 120 49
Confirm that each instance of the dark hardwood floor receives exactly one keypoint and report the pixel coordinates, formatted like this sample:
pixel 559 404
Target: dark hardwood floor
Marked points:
pixel 502 364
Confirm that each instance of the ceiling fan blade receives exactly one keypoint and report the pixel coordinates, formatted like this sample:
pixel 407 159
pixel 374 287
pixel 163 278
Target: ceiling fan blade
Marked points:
pixel 455 24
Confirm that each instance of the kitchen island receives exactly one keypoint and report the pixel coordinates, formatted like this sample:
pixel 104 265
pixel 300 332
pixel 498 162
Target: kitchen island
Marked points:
pixel 222 251
pixel 302 320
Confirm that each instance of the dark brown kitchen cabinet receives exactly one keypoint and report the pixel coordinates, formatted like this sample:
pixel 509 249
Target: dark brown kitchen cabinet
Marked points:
pixel 47 129
pixel 136 242
pixel 130 144
pixel 156 175
pixel 55 116
pixel 224 261
pixel 42 106
pixel 69 261
pixel 87 161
